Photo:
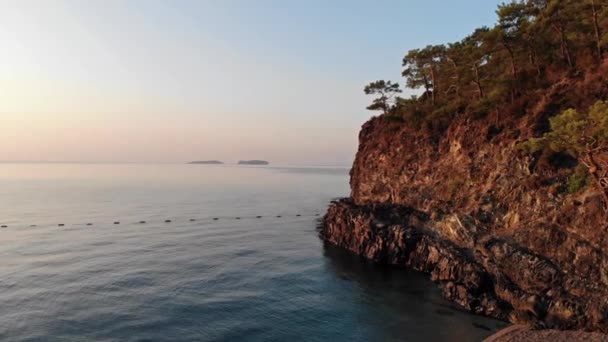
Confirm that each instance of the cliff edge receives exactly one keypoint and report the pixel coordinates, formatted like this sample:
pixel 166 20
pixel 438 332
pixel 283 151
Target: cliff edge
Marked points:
pixel 496 228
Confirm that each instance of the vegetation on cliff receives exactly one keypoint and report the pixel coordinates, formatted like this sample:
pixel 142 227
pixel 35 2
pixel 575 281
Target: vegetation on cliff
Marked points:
pixel 534 44
pixel 583 136
pixel 545 59
pixel 483 180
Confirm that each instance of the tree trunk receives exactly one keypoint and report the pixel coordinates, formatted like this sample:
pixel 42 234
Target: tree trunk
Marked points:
pixel 427 86
pixel 533 60
pixel 598 32
pixel 434 83
pixel 514 69
pixel 478 82
pixel 561 30
pixel 457 77
pixel 565 48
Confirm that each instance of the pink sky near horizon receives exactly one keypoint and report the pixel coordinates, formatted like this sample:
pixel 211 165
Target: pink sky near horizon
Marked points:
pixel 154 81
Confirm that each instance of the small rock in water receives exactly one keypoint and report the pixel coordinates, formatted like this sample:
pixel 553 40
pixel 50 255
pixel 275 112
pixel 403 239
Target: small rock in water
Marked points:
pixel 61 225
pixel 258 216
pixel 215 218
pixel 238 218
pixel 117 222
pixel 192 220
pixel 167 221
pixel 3 226
pixel 298 215
pixel 142 222
pixel 89 224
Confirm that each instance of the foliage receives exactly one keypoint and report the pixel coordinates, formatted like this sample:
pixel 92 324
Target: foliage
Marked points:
pixel 567 132
pixel 532 146
pixel 387 92
pixel 573 132
pixel 598 116
pixel 579 180
pixel 583 136
pixel 533 43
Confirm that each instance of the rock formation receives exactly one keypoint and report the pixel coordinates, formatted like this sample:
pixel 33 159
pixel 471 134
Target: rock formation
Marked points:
pixel 494 227
pixel 253 162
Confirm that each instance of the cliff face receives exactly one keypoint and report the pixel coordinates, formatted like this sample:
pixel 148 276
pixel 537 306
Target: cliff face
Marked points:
pixel 492 226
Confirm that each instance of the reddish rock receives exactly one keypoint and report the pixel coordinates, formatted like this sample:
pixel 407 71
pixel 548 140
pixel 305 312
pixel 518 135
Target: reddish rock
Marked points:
pixel 521 333
pixel 492 226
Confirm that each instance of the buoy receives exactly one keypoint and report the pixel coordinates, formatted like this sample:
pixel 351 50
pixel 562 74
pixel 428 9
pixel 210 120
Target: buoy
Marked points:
pixel 298 215
pixel 279 216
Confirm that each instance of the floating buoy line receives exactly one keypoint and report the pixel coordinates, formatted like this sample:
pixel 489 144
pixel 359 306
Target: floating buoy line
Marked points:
pixel 168 221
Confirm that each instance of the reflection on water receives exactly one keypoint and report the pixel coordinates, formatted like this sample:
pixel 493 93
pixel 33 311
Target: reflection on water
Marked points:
pixel 266 279
pixel 404 305
pixel 315 170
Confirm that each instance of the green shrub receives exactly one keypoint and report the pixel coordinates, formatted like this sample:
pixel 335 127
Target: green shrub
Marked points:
pixel 579 180
pixel 531 146
pixel 571 131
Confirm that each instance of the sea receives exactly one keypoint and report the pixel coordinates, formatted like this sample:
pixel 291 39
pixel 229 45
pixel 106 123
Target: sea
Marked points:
pixel 171 252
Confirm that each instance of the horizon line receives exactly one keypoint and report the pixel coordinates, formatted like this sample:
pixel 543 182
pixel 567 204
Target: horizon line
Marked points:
pixel 158 162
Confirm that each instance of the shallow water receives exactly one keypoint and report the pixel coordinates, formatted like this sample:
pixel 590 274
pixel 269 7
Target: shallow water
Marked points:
pixel 247 279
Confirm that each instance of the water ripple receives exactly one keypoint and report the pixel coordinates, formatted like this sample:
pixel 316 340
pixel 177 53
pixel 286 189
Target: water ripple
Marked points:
pixel 226 280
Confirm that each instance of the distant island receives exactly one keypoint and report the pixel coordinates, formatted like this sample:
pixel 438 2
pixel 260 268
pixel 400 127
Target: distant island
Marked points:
pixel 207 162
pixel 253 162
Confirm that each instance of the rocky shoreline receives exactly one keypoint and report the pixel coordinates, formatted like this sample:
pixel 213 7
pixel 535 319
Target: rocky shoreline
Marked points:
pixel 494 277
pixel 494 179
pixel 482 220
pixel 397 236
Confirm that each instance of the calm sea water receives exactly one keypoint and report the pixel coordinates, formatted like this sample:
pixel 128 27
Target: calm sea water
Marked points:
pixel 253 279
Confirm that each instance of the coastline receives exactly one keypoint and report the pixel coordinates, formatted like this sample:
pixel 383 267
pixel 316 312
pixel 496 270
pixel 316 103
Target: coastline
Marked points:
pixel 495 244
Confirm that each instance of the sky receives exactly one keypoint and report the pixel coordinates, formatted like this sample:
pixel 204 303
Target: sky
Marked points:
pixel 174 81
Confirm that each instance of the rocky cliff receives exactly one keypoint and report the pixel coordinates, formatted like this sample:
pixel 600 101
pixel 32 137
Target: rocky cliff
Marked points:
pixel 494 227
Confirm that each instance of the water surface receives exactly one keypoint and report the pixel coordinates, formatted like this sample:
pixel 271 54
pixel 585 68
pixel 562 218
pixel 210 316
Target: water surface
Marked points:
pixel 195 278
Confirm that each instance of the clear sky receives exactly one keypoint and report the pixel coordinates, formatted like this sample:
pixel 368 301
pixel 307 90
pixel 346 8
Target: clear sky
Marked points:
pixel 173 81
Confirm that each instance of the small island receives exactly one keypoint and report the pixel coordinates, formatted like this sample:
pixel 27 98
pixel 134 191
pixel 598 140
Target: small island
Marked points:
pixel 253 162
pixel 206 162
